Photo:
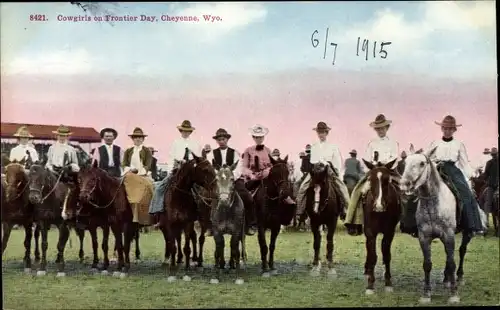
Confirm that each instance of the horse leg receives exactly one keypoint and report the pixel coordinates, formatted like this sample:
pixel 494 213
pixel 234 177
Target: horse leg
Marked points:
pixel 61 245
pixel 218 255
pixel 105 248
pixel 371 260
pixel 45 244
pixel 81 235
pixel 330 246
pixel 37 243
pixel 192 238
pixel 448 241
pixel 494 215
pixel 6 230
pixel 316 264
pixel 180 256
pixel 129 231
pixel 137 249
pixel 167 253
pixel 466 238
pixel 201 242
pixel 425 245
pixel 275 231
pixel 188 230
pixel 386 257
pixel 28 229
pixel 235 255
pixel 118 233
pixel 95 246
pixel 173 234
pixel 261 236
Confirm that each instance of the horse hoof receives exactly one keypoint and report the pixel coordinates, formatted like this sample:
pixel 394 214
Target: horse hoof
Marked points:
pixel 266 275
pixel 40 273
pixel 186 278
pixel 425 300
pixel 171 279
pixel 61 274
pixel 369 292
pixel 214 281
pixel 104 272
pixel 454 300
pixel 116 274
pixel 389 289
pixel 123 275
pixel 332 273
pixel 314 273
pixel 447 284
pixel 274 272
pixel 239 281
pixel 27 270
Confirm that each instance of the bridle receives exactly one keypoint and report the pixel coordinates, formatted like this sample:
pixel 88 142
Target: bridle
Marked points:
pixel 96 183
pixel 428 164
pixel 277 184
pixel 40 191
pixel 205 200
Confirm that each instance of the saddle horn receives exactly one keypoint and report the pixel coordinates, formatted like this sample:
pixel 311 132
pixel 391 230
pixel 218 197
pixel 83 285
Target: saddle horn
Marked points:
pixel 257 163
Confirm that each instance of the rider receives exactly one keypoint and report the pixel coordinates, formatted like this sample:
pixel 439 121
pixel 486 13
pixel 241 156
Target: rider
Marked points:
pixel 256 170
pixel 353 168
pixel 276 154
pixel 491 174
pixel 485 157
pixel 329 154
pixel 452 160
pixel 387 150
pixel 21 151
pixel 400 168
pixel 228 156
pixel 110 153
pixel 137 159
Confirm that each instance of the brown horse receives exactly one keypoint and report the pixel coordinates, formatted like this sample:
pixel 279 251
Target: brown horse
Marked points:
pixel 381 211
pixel 17 210
pixel 271 211
pixel 101 191
pixel 47 193
pixel 322 209
pixel 181 208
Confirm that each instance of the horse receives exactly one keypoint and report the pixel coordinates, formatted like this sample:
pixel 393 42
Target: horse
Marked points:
pixel 17 209
pixel 181 208
pixel 47 193
pixel 436 217
pixel 495 212
pixel 271 211
pixel 101 191
pixel 381 212
pixel 228 217
pixel 323 208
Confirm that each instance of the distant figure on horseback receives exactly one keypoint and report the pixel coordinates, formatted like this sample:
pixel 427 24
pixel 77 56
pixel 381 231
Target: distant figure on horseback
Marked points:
pixel 224 155
pixel 21 151
pixel 400 168
pixel 109 156
pixel 353 171
pixel 326 153
pixel 276 154
pixel 485 157
pixel 181 150
pixel 387 151
pixel 491 176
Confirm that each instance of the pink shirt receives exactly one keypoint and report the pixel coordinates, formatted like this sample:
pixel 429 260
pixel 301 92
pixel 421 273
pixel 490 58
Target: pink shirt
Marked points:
pixel 249 169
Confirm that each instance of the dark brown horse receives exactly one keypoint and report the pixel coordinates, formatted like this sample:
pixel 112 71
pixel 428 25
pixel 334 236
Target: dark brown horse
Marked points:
pixel 181 208
pixel 99 190
pixel 47 193
pixel 271 211
pixel 381 212
pixel 17 210
pixel 323 208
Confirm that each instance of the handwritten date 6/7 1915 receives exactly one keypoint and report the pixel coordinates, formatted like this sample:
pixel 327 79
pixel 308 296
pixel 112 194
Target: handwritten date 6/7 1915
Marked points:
pixel 365 47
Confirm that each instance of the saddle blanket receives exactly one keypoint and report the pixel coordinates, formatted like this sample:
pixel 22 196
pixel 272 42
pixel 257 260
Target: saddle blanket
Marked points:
pixel 139 191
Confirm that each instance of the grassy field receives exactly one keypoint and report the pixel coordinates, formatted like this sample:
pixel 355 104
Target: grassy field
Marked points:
pixel 146 286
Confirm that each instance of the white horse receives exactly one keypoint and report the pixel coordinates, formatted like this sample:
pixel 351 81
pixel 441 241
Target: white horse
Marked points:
pixel 436 218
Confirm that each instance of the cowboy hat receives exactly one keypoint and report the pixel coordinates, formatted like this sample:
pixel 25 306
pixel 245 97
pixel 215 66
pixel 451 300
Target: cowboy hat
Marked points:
pixel 115 133
pixel 137 133
pixel 23 132
pixel 259 131
pixel 186 126
pixel 494 151
pixel 322 126
pixel 275 152
pixel 353 152
pixel 62 131
pixel 449 122
pixel 380 121
pixel 486 151
pixel 221 133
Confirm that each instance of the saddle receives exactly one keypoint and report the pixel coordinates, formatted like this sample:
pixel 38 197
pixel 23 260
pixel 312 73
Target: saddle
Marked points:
pixel 252 186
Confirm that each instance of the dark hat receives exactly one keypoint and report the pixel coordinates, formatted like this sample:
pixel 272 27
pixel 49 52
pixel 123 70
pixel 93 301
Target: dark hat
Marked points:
pixel 448 122
pixel 137 133
pixel 380 121
pixel 221 133
pixel 275 152
pixel 62 131
pixel 115 133
pixel 494 151
pixel 186 126
pixel 322 126
pixel 486 151
pixel 353 152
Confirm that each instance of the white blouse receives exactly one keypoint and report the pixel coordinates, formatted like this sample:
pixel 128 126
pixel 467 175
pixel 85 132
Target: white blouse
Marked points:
pixel 453 150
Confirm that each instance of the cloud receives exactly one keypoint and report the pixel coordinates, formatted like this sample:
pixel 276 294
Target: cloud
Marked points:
pixel 234 16
pixel 460 16
pixel 61 62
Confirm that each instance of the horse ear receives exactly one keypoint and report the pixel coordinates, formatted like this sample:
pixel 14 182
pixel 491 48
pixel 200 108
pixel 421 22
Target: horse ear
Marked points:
pixel 94 164
pixel 412 149
pixel 390 164
pixel 368 164
pixel 285 159
pixel 431 152
pixel 273 162
pixel 233 166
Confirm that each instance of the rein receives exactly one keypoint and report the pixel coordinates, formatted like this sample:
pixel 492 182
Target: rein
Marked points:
pixel 22 191
pixel 50 192
pixel 122 179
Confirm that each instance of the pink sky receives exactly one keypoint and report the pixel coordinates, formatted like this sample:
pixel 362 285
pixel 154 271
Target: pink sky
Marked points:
pixel 288 103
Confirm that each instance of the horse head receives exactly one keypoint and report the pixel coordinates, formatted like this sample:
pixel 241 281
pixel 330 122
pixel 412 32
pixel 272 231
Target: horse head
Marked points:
pixel 39 180
pixel 319 173
pixel 196 171
pixel 418 170
pixel 278 179
pixel 379 180
pixel 89 181
pixel 16 180
pixel 225 183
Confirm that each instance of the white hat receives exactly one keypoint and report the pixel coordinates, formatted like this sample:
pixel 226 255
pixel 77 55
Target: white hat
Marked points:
pixel 259 131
